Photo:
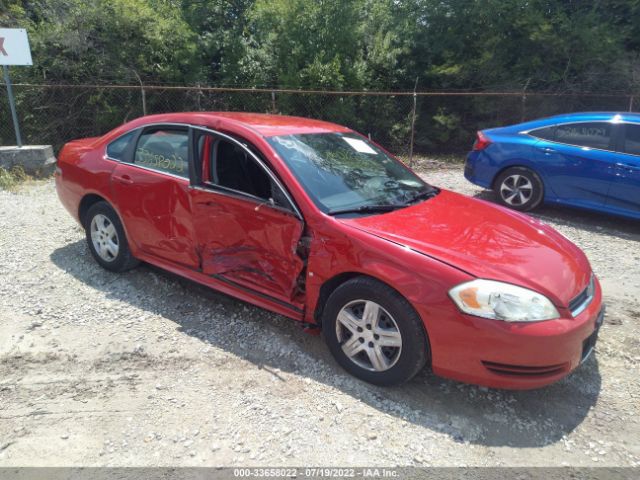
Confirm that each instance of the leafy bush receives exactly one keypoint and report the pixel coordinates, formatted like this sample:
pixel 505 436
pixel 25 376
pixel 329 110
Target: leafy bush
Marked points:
pixel 12 177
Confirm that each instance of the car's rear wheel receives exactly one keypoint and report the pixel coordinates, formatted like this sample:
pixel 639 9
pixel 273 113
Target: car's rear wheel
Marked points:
pixel 374 333
pixel 519 188
pixel 106 238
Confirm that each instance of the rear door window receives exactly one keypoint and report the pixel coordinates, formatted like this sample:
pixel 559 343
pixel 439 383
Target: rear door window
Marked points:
pixel 632 139
pixel 589 134
pixel 165 150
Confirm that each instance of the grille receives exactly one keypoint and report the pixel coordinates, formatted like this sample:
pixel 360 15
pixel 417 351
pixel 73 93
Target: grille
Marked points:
pixel 520 370
pixel 583 299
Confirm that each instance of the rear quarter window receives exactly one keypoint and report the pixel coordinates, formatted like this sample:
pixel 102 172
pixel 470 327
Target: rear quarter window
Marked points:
pixel 118 148
pixel 546 133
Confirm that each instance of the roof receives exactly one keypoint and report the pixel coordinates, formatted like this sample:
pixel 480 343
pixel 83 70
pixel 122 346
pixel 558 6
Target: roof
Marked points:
pixel 588 116
pixel 264 124
pixel 273 124
pixel 572 117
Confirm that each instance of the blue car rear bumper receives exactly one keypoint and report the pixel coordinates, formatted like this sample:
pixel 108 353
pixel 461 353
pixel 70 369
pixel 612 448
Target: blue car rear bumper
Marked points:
pixel 482 177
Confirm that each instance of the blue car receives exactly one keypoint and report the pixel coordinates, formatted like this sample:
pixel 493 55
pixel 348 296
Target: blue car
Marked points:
pixel 584 160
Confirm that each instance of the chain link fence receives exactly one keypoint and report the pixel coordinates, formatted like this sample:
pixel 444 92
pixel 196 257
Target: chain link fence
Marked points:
pixel 442 122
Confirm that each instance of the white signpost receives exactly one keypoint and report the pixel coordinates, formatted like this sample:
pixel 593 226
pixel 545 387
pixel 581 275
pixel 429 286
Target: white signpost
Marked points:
pixel 14 50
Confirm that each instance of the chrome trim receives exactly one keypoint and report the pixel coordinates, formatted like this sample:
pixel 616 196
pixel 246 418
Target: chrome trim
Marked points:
pixel 237 194
pixel 591 292
pixel 150 169
pixel 614 122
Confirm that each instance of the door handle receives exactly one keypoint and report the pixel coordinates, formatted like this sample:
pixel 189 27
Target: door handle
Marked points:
pixel 208 203
pixel 547 150
pixel 627 166
pixel 125 179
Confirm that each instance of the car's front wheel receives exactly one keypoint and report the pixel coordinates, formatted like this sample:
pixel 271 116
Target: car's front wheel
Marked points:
pixel 106 238
pixel 374 333
pixel 519 188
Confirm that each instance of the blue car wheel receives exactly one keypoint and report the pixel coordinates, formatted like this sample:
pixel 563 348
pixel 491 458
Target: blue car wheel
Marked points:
pixel 519 188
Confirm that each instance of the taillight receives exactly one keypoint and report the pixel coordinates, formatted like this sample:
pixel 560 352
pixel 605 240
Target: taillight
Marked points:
pixel 482 141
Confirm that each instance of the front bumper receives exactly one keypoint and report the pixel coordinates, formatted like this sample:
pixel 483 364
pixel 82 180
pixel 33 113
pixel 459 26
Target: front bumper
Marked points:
pixel 513 355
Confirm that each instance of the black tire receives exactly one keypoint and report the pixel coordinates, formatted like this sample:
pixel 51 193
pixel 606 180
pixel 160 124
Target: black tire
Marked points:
pixel 529 187
pixel 414 352
pixel 123 260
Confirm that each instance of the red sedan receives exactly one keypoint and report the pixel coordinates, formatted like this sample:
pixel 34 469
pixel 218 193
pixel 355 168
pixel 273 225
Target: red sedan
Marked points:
pixel 315 222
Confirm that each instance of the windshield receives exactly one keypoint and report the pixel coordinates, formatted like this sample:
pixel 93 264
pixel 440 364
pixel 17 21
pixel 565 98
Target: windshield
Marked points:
pixel 345 173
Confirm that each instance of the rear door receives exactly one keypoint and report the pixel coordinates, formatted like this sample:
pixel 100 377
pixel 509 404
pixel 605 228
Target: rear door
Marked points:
pixel 247 226
pixel 151 189
pixel 625 193
pixel 578 160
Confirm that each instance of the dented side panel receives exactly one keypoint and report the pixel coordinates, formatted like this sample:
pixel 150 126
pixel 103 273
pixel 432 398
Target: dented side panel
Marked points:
pixel 157 213
pixel 247 243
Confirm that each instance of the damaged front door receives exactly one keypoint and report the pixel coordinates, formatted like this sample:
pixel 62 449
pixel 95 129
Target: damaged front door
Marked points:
pixel 247 228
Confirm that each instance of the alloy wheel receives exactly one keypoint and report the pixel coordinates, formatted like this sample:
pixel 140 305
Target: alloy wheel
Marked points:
pixel 104 238
pixel 516 190
pixel 369 336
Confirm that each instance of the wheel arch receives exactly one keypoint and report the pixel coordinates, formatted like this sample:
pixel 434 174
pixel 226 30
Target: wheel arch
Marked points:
pixel 331 284
pixel 526 165
pixel 86 203
pixel 328 287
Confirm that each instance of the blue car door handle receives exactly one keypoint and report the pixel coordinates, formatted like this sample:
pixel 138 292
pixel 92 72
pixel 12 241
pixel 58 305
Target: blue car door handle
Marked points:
pixel 628 167
pixel 547 150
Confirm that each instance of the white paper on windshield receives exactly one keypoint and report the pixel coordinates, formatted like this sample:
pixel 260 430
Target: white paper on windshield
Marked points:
pixel 359 145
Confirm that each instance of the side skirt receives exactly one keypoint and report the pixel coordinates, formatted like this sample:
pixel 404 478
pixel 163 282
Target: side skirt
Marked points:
pixel 227 287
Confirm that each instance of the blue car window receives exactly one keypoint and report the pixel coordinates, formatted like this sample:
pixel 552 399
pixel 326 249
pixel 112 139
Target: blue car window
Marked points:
pixel 587 134
pixel 547 133
pixel 632 139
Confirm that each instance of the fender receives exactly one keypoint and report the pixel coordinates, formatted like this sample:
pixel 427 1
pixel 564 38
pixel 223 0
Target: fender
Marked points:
pixel 418 278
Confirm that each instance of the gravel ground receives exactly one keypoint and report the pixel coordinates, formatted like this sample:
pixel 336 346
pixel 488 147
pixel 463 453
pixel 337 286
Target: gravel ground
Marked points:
pixel 146 369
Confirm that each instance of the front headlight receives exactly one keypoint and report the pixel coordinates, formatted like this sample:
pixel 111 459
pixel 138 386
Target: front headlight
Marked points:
pixel 502 301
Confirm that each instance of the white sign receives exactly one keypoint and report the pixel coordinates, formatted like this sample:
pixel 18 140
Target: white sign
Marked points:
pixel 359 145
pixel 14 47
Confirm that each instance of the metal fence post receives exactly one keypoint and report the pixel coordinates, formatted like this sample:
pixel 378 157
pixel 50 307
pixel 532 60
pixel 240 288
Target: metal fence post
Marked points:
pixel 12 105
pixel 143 93
pixel 413 123
pixel 273 102
pixel 523 106
pixel 631 103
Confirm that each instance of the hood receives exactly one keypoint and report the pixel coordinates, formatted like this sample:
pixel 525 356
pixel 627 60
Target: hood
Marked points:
pixel 486 241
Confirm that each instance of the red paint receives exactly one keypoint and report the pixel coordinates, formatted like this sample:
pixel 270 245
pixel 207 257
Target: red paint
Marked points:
pixel 256 248
pixel 488 242
pixel 251 251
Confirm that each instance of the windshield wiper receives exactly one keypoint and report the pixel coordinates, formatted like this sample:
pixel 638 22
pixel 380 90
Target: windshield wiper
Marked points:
pixel 366 209
pixel 424 195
